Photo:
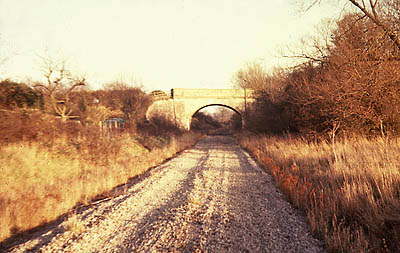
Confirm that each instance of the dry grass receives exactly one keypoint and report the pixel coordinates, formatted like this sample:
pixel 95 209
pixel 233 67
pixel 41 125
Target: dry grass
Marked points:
pixel 44 175
pixel 351 198
pixel 74 225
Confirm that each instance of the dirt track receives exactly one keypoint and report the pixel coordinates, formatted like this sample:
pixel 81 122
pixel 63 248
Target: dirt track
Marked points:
pixel 212 198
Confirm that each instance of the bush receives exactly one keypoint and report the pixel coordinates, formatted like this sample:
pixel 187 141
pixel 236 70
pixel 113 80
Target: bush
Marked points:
pixel 159 126
pixel 13 94
pixel 132 101
pixel 33 125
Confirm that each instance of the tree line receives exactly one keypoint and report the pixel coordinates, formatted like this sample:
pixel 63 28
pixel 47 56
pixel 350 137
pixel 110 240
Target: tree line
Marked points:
pixel 348 81
pixel 115 99
pixel 67 96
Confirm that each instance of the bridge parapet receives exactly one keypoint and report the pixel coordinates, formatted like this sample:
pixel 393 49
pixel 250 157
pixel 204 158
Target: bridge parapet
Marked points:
pixel 178 93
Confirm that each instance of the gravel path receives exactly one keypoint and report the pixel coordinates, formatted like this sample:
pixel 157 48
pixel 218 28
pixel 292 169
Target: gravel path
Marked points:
pixel 211 198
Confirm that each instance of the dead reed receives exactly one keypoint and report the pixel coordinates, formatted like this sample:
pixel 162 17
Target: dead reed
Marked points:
pixel 349 191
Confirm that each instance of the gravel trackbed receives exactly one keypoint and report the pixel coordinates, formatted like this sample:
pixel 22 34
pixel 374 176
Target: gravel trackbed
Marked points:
pixel 211 198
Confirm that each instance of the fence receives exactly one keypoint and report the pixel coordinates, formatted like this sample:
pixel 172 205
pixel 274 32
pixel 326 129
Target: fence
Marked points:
pixel 111 127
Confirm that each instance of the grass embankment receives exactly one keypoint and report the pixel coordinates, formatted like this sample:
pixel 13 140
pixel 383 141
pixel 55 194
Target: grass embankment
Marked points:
pixel 350 191
pixel 46 171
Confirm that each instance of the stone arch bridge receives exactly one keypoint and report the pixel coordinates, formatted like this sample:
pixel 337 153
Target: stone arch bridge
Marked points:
pixel 181 104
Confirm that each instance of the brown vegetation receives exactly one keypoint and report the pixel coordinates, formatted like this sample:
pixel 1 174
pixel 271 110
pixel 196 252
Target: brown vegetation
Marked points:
pixel 60 83
pixel 203 121
pixel 342 105
pixel 19 95
pixel 383 13
pixel 49 165
pixel 131 102
pixel 349 191
pixel 356 84
pixel 266 114
pixel 350 80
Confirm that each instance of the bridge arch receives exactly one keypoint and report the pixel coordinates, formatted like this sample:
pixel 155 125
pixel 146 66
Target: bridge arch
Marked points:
pixel 222 105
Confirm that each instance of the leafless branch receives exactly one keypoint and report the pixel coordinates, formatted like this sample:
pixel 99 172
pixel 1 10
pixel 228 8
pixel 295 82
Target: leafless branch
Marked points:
pixel 60 83
pixel 304 56
pixel 374 17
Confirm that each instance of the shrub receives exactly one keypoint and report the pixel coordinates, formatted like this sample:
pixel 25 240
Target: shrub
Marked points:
pixel 131 101
pixel 14 94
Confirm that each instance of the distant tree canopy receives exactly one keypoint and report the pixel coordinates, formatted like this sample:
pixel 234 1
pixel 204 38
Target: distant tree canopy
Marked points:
pixel 203 121
pixel 64 94
pixel 132 102
pixel 15 94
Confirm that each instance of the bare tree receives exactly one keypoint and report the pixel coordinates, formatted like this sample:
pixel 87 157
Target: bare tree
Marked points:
pixel 265 113
pixel 312 48
pixel 384 13
pixel 356 85
pixel 371 10
pixel 59 84
pixel 252 76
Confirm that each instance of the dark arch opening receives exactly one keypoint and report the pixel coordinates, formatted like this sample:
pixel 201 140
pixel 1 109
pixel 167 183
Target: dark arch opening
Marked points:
pixel 219 122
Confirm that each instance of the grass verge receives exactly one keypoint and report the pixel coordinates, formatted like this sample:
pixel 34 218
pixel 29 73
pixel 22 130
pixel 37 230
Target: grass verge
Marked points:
pixel 349 191
pixel 43 178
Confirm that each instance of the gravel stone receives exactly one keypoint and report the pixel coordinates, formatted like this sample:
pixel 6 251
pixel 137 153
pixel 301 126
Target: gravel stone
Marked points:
pixel 211 198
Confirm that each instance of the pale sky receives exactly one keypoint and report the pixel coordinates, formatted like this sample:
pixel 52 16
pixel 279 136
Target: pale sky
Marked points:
pixel 162 43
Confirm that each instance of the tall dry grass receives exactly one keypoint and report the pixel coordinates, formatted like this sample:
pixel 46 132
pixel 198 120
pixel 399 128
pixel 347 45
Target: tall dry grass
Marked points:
pixel 349 190
pixel 47 171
